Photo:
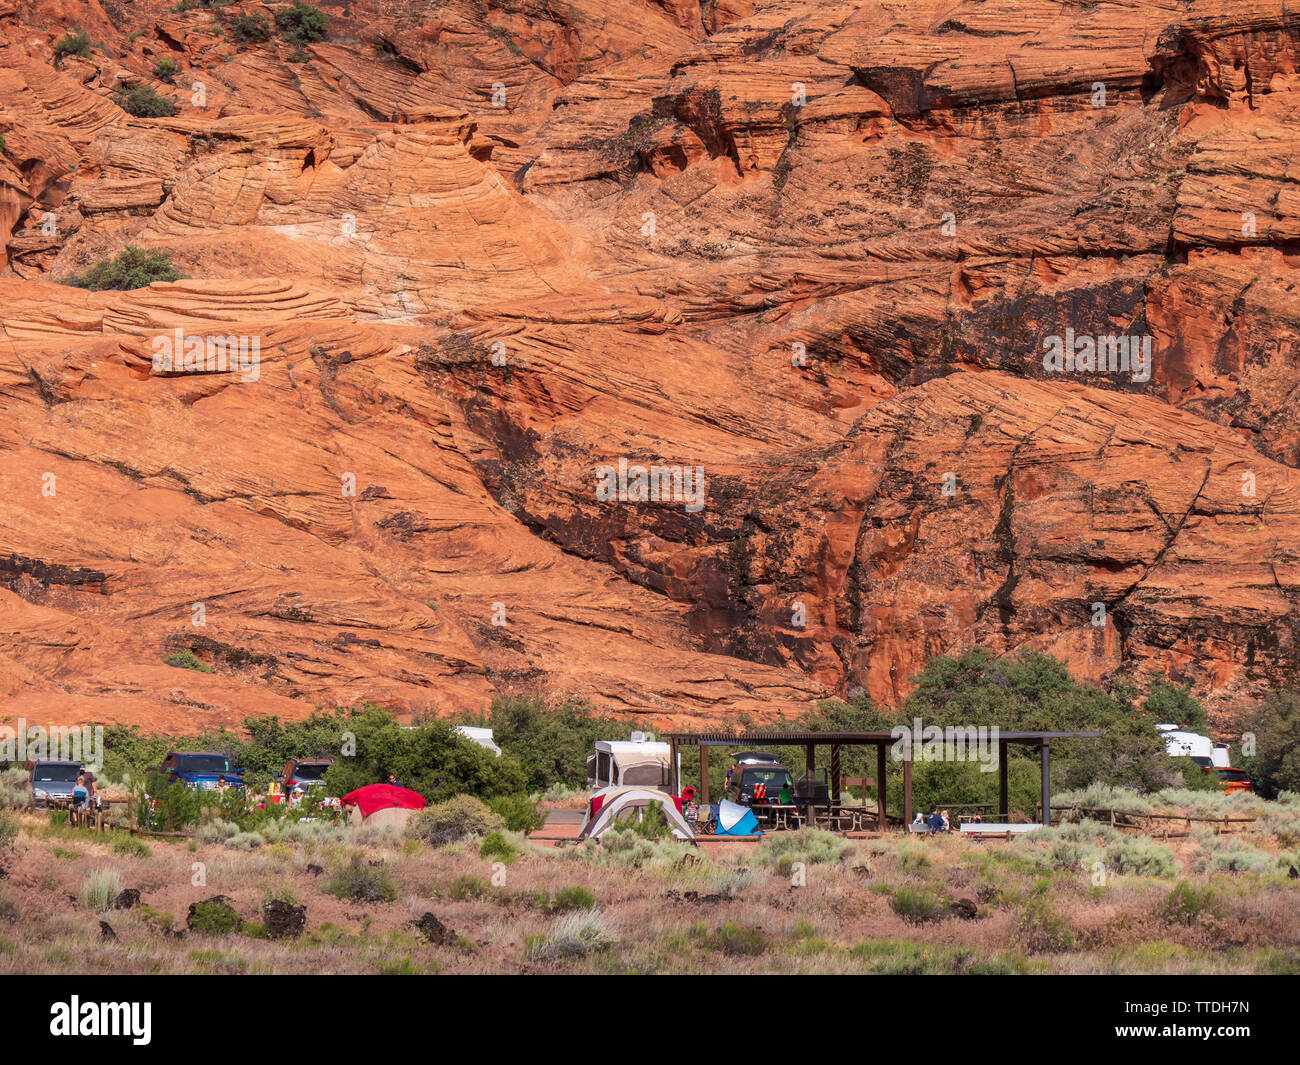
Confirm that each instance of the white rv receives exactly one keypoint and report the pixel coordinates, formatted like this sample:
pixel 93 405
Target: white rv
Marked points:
pixel 481 736
pixel 1200 749
pixel 639 762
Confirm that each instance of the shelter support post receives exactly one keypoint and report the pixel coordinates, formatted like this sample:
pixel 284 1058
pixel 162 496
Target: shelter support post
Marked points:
pixel 673 776
pixel 810 760
pixel 1003 813
pixel 704 773
pixel 907 788
pixel 1045 770
pixel 835 773
pixel 880 787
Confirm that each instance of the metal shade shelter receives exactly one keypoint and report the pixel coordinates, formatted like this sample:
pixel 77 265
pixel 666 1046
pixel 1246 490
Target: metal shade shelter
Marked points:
pixel 881 741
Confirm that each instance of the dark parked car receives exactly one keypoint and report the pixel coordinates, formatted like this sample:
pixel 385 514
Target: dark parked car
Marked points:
pixel 53 779
pixel 752 771
pixel 304 773
pixel 201 769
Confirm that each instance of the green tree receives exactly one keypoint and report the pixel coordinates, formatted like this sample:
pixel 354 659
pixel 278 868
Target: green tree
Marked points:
pixel 142 102
pixel 301 23
pixel 1275 723
pixel 1174 704
pixel 552 742
pixel 430 758
pixel 132 267
pixel 72 44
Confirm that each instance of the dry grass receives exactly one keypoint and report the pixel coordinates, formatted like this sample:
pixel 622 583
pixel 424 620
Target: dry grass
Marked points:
pixel 887 905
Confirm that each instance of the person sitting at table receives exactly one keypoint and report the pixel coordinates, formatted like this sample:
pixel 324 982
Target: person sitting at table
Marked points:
pixel 919 819
pixel 785 797
pixel 935 821
pixel 947 823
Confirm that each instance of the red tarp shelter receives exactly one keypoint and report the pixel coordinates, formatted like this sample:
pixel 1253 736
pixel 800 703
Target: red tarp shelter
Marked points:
pixel 383 797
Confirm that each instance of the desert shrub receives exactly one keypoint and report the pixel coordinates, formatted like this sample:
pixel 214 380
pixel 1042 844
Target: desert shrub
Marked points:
pixel 812 846
pixel 574 935
pixel 1065 854
pixel 15 786
pixel 217 831
pixel 187 659
pixel 8 832
pixel 559 793
pixel 466 887
pixel 142 102
pixel 72 44
pixel 519 812
pixel 129 847
pixel 1288 862
pixel 213 917
pixel 246 841
pixel 648 822
pixel 249 28
pixel 626 848
pixel 1283 820
pixel 100 888
pixel 131 268
pixel 462 817
pixel 1139 856
pixel 890 957
pixel 1186 902
pixel 361 882
pixel 1213 803
pixel 916 905
pixel 174 806
pixel 733 940
pixel 1085 831
pixel 495 845
pixel 301 23
pixel 1232 856
pixel 573 898
pixel 283 891
pixel 1038 930
pixel 1103 797
pixel 313 832
pixel 377 835
pixel 165 70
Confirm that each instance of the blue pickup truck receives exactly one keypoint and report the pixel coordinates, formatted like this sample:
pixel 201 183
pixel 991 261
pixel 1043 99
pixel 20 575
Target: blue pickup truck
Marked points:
pixel 202 769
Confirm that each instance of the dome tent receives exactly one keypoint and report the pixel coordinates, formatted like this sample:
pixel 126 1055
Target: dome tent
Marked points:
pixel 609 805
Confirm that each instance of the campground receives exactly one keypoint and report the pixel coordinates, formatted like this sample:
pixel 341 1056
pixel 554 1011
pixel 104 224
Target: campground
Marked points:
pixel 1073 899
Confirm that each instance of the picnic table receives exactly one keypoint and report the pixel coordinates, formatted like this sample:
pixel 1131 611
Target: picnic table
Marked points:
pixel 84 815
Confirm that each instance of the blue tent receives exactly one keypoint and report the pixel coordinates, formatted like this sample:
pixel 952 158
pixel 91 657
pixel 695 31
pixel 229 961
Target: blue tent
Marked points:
pixel 736 820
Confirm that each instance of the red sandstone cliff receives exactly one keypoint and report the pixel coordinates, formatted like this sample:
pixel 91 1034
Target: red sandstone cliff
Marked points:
pixel 811 247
